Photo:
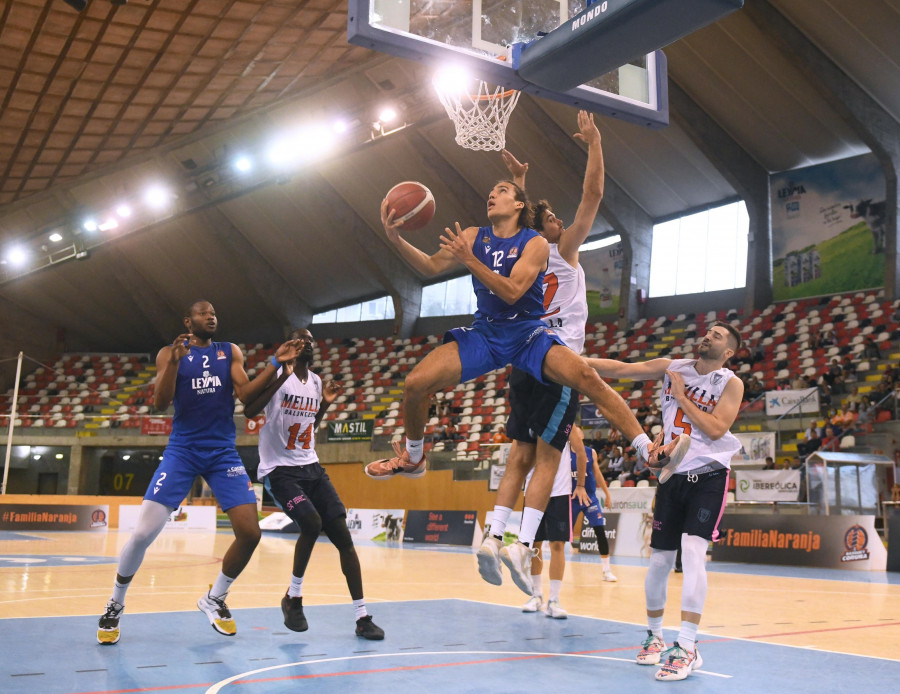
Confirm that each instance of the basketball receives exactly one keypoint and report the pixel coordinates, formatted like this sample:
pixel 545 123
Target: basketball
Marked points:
pixel 413 202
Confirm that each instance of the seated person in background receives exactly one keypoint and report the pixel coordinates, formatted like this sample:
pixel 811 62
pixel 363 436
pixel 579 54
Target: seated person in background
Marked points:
pixel 639 472
pixel 843 419
pixel 855 401
pixel 500 436
pixel 849 368
pixel 770 463
pixel 870 351
pixel 616 464
pixel 799 382
pixel 812 442
pixel 653 417
pixel 830 442
pixel 753 388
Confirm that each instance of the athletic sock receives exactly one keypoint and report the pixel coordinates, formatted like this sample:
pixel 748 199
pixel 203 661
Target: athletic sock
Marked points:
pixel 655 625
pixel 295 590
pixel 537 585
pixel 531 520
pixel 555 587
pixel 604 562
pixel 416 449
pixel 641 443
pixel 498 521
pixel 687 637
pixel 219 589
pixel 360 607
pixel 118 593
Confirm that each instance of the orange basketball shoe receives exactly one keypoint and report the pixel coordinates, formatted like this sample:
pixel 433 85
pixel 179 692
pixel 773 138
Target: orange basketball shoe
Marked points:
pixel 399 465
pixel 665 459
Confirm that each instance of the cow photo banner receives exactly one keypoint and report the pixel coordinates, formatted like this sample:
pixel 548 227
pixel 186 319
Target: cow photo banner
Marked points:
pixel 828 228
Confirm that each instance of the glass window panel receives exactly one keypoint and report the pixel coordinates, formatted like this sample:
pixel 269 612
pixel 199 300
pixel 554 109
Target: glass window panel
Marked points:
pixel 663 250
pixel 325 317
pixel 348 314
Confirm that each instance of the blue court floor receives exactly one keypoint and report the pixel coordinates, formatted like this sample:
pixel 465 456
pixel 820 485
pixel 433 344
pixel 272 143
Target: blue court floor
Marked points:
pixel 430 646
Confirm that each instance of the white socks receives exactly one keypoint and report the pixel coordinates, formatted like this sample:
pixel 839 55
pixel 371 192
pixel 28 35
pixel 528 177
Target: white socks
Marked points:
pixel 531 520
pixel 416 449
pixel 295 590
pixel 687 637
pixel 499 518
pixel 220 588
pixel 555 587
pixel 655 625
pixel 118 593
pixel 641 443
pixel 360 607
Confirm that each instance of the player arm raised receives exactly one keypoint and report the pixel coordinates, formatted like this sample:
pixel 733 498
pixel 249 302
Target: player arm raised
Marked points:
pixel 428 265
pixel 639 371
pixel 591 194
pixel 167 361
pixel 330 390
pixel 246 390
pixel 258 404
pixel 714 424
pixel 510 289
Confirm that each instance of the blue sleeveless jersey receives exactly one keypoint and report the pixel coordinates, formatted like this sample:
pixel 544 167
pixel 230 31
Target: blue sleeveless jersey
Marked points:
pixel 204 398
pixel 500 255
pixel 590 483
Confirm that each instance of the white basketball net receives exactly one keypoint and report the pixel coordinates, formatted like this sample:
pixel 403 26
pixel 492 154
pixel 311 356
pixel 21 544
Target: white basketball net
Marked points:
pixel 480 118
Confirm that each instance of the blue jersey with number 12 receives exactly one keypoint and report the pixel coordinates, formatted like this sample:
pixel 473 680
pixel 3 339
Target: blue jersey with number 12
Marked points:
pixel 500 255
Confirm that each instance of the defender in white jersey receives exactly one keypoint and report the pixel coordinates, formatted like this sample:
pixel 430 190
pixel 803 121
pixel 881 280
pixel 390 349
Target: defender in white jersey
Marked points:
pixel 700 398
pixel 294 404
pixel 542 414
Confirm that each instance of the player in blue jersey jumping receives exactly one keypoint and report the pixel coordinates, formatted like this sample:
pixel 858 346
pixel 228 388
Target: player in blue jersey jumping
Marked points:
pixel 201 377
pixel 507 260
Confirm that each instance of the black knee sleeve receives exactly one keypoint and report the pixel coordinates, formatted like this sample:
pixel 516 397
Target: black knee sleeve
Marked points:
pixel 602 542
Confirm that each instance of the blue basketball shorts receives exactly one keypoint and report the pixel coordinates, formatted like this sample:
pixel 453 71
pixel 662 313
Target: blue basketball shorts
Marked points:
pixel 222 468
pixel 593 512
pixel 489 345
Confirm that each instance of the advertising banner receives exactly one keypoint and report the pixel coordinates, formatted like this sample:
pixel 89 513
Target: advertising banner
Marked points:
pixel 835 542
pixel 603 279
pixel 783 401
pixel 767 485
pixel 828 228
pixel 755 447
pixel 440 527
pixel 376 524
pixel 252 425
pixel 350 430
pixel 156 426
pixel 182 519
pixel 628 535
pixel 53 517
pixel 630 499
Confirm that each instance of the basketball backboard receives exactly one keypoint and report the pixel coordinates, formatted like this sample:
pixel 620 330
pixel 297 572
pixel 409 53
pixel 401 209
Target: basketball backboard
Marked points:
pixel 479 35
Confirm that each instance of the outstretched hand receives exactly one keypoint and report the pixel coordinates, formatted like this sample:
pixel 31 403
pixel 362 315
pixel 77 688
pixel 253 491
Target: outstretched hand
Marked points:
pixel 288 351
pixel 516 168
pixel 182 345
pixel 588 132
pixel 391 227
pixel 330 390
pixel 456 244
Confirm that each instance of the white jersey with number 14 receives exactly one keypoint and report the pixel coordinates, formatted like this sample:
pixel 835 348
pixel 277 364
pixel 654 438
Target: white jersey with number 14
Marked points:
pixel 289 434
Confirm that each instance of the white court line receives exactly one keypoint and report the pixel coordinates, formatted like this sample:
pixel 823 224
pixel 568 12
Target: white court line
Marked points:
pixel 218 686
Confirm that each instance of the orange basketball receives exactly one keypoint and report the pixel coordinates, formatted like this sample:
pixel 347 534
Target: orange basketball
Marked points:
pixel 413 202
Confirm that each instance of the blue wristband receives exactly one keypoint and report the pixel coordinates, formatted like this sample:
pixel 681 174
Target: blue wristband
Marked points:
pixel 275 362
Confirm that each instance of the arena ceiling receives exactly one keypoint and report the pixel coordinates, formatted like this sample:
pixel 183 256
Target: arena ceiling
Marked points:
pixel 97 104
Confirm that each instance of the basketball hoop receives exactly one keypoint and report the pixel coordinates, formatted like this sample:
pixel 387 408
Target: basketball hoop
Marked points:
pixel 480 118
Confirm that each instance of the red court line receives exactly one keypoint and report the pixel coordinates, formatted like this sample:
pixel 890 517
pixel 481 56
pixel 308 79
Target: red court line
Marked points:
pixel 821 631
